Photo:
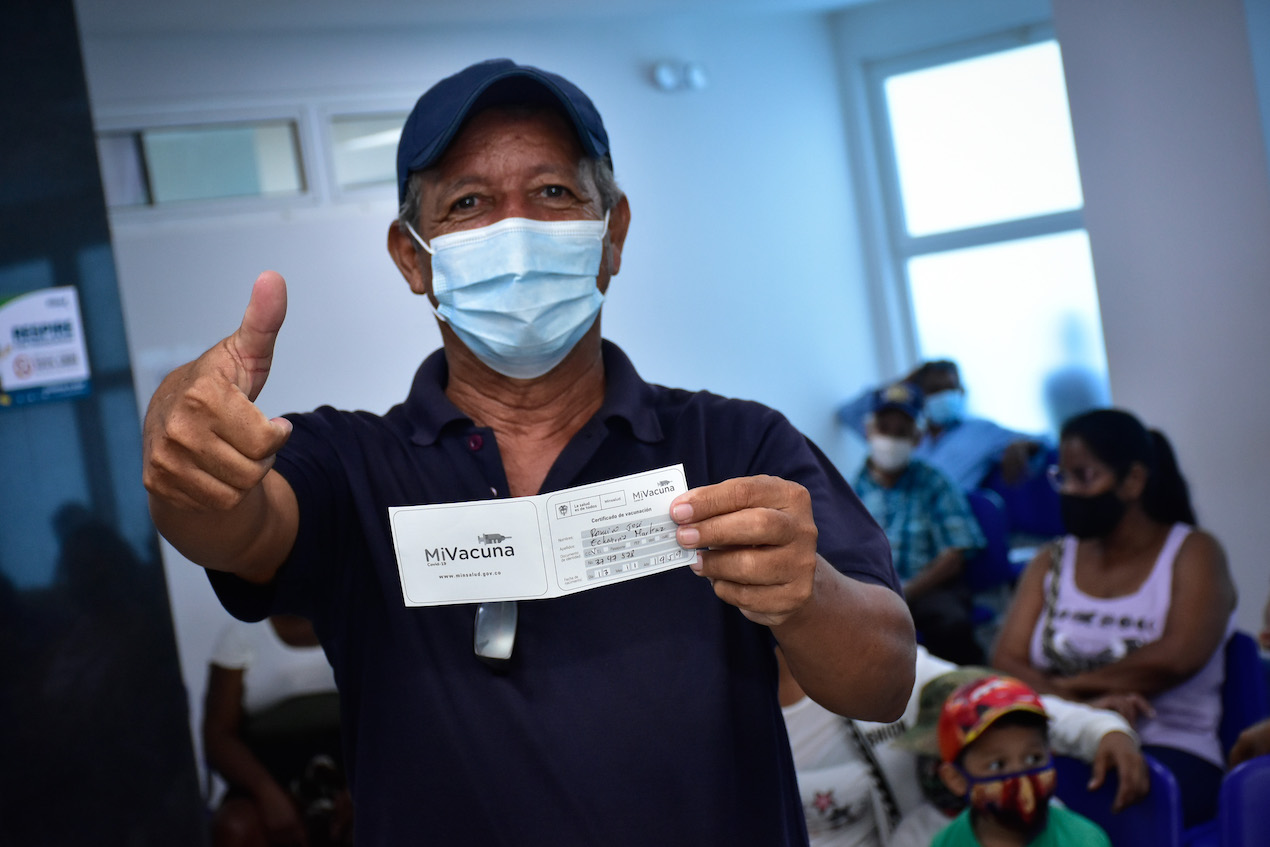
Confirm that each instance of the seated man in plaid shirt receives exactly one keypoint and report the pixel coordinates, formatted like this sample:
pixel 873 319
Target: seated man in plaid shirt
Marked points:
pixel 928 522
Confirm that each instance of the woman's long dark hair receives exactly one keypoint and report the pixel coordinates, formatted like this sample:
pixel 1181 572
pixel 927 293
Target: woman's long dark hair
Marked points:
pixel 1118 439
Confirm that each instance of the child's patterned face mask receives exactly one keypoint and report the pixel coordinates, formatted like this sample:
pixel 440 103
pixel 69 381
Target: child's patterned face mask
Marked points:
pixel 1018 800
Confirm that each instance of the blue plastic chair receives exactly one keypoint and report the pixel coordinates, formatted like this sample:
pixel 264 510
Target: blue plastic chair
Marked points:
pixel 1207 834
pixel 1244 794
pixel 1153 821
pixel 1245 699
pixel 991 566
pixel 1031 506
pixel 1241 809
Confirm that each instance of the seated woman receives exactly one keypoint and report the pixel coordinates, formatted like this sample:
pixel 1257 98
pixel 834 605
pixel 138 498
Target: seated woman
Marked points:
pixel 1131 610
pixel 271 731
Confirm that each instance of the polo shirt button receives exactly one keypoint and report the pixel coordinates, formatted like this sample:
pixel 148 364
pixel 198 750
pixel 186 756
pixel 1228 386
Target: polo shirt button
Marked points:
pixel 475 442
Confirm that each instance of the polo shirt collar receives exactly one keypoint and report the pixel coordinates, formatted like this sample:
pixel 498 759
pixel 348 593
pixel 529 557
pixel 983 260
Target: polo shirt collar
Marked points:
pixel 626 396
pixel 427 408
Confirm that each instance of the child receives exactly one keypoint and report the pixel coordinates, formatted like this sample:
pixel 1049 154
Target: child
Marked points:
pixel 994 742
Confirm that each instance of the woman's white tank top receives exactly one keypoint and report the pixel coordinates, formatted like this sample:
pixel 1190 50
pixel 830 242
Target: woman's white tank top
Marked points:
pixel 1077 632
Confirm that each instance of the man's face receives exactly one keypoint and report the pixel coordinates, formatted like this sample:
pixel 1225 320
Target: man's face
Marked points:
pixel 514 164
pixel 506 164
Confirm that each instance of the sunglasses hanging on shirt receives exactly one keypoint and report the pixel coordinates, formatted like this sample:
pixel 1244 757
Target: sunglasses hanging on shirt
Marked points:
pixel 495 633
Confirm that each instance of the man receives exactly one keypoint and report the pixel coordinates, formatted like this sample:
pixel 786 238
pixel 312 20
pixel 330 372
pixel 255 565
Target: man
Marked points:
pixel 638 713
pixel 928 522
pixel 963 448
pixel 859 780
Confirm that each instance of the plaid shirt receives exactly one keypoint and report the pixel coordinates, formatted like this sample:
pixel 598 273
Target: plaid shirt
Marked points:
pixel 922 515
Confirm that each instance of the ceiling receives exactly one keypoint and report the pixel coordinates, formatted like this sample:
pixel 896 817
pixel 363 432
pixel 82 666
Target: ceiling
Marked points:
pixel 116 17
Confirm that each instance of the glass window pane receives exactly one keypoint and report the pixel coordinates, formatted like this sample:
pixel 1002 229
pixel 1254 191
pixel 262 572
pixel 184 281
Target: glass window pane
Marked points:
pixel 984 140
pixel 365 151
pixel 1021 320
pixel 123 173
pixel 232 160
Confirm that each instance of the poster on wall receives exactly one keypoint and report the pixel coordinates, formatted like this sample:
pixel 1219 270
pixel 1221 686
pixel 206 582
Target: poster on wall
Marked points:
pixel 42 352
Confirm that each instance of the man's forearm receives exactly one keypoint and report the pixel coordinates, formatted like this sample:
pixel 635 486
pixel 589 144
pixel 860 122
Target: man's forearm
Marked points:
pixel 250 540
pixel 230 757
pixel 945 567
pixel 852 648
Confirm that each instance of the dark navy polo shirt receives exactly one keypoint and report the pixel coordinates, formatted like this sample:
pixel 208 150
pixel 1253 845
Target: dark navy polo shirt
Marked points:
pixel 633 714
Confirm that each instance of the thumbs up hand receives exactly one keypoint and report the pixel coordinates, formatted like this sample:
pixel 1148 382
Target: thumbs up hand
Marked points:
pixel 205 444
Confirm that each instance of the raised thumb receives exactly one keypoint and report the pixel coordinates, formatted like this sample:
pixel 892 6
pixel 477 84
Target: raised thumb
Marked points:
pixel 253 343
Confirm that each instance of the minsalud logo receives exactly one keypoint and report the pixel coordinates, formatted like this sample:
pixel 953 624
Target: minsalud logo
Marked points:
pixel 491 547
pixel 664 486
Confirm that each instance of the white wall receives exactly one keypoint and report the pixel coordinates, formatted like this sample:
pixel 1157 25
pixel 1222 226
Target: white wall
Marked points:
pixel 741 272
pixel 1177 204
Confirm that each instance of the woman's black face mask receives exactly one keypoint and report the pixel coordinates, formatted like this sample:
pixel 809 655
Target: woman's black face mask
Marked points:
pixel 1091 517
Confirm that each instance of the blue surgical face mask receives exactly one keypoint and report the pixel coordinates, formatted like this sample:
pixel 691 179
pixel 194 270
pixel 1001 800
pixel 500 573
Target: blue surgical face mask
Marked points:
pixel 946 408
pixel 519 293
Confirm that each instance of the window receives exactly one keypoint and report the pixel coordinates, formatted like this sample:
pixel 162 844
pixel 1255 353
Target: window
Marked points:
pixel 364 149
pixel 160 166
pixel 984 220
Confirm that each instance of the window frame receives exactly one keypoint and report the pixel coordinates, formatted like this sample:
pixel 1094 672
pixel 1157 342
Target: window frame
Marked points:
pixel 366 108
pixel 899 246
pixel 136 123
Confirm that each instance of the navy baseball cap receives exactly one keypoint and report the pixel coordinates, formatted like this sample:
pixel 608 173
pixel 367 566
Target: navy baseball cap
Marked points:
pixel 441 110
pixel 903 396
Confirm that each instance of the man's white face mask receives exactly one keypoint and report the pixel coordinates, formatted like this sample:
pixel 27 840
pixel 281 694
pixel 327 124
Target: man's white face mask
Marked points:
pixel 889 453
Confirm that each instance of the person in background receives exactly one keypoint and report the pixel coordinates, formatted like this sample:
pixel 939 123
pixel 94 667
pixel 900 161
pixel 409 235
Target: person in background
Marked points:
pixel 1252 742
pixel 639 712
pixel 928 522
pixel 1255 740
pixel 270 726
pixel 1071 391
pixel 860 781
pixel 1263 637
pixel 965 449
pixel 1132 608
pixel 1076 386
pixel 994 745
